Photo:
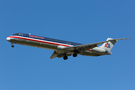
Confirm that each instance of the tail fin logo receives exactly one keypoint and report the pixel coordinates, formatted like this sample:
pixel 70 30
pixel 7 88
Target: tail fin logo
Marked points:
pixel 107 45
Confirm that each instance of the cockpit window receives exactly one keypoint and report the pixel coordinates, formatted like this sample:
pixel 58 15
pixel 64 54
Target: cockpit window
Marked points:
pixel 16 34
pixel 21 34
pixel 25 35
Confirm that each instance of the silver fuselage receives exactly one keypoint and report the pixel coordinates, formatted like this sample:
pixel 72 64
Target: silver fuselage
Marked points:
pixel 52 44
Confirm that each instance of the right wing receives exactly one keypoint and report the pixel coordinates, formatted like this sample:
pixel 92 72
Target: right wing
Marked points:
pixel 75 49
pixel 78 49
pixel 54 55
pixel 81 48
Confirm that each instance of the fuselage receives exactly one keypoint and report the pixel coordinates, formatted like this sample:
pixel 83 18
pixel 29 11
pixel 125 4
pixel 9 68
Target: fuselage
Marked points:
pixel 49 43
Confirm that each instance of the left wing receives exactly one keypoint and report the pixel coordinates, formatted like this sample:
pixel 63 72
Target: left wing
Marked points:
pixel 60 53
pixel 54 55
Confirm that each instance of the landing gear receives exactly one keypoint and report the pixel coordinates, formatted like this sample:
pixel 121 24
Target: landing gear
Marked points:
pixel 65 57
pixel 12 46
pixel 75 55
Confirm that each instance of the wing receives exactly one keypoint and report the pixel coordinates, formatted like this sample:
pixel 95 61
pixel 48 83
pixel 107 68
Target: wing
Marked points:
pixel 81 48
pixel 78 49
pixel 75 49
pixel 54 55
pixel 60 53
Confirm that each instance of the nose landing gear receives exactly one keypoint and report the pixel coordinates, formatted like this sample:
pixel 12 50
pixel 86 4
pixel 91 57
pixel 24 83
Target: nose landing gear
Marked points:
pixel 12 45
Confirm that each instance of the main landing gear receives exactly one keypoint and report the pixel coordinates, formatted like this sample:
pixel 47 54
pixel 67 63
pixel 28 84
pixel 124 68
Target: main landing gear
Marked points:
pixel 75 55
pixel 66 57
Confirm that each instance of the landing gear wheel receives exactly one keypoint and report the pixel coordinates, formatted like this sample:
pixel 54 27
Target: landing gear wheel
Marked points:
pixel 65 57
pixel 12 46
pixel 75 55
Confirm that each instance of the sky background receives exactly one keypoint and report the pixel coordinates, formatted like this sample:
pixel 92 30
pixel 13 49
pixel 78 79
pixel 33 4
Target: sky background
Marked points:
pixel 82 21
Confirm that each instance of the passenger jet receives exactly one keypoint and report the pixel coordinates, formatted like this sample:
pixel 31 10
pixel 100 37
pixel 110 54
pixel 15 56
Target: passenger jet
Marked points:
pixel 64 48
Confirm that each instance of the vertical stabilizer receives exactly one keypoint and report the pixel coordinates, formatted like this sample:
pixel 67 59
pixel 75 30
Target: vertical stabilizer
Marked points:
pixel 109 45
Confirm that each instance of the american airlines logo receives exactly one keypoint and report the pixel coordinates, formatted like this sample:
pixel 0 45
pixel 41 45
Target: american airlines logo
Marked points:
pixel 107 45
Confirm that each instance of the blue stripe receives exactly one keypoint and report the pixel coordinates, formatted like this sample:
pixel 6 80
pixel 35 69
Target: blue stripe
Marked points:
pixel 48 39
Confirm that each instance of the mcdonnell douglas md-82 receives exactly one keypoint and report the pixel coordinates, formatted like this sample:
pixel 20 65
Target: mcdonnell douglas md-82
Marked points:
pixel 64 48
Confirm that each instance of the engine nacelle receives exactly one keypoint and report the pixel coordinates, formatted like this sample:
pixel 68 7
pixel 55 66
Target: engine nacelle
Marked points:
pixel 61 47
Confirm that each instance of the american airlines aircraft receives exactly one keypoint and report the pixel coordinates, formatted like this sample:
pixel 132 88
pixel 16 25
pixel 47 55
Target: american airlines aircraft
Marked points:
pixel 64 48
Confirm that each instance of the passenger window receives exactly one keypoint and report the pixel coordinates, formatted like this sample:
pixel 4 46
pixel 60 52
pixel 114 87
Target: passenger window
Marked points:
pixel 16 34
pixel 20 34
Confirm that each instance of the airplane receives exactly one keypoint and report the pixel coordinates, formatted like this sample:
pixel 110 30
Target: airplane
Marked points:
pixel 64 48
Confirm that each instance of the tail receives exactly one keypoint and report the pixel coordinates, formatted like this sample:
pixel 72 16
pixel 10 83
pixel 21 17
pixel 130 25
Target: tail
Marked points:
pixel 109 45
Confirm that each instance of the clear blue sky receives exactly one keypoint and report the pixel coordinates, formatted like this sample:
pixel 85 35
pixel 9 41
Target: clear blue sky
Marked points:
pixel 82 21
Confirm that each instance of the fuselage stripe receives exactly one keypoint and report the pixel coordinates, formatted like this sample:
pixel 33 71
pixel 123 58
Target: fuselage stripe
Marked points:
pixel 43 41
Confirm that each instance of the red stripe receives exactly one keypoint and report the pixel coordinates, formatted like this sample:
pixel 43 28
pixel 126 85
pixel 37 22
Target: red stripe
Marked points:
pixel 39 41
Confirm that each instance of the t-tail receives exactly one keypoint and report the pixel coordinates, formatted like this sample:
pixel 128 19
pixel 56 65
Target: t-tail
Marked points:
pixel 109 45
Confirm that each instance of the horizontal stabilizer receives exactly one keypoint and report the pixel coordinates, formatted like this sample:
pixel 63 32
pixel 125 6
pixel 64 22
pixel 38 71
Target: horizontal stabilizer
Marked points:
pixel 119 39
pixel 109 45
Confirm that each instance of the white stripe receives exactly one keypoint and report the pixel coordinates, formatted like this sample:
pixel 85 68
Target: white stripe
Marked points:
pixel 43 40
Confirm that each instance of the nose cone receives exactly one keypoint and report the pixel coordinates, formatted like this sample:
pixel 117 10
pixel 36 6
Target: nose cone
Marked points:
pixel 8 38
